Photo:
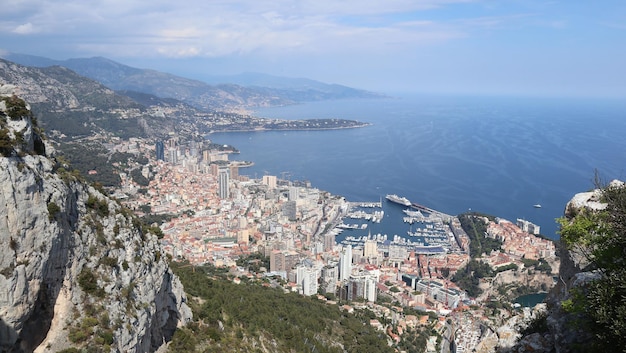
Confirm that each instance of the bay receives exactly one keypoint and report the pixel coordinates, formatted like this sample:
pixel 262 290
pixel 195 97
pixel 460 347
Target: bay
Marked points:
pixel 497 155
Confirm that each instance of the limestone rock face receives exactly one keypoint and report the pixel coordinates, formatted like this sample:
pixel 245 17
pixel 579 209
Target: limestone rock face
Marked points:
pixel 510 340
pixel 76 270
pixel 562 335
pixel 36 87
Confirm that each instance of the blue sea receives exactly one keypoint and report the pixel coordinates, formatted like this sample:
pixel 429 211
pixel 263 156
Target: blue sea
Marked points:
pixel 496 155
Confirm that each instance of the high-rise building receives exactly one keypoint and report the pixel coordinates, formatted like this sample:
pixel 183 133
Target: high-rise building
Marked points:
pixel 370 249
pixel 206 157
pixel 270 180
pixel 173 156
pixel 214 168
pixel 329 278
pixel 329 241
pixel 277 261
pixel 283 261
pixel 345 263
pixel 370 289
pixel 223 180
pixel 160 151
pixel 306 277
pixel 290 210
pixel 294 193
pixel 234 172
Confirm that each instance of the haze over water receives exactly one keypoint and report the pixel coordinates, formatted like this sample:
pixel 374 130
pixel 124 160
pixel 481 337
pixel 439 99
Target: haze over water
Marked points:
pixel 494 155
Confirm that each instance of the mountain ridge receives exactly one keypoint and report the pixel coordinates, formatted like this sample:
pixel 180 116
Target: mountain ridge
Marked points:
pixel 258 90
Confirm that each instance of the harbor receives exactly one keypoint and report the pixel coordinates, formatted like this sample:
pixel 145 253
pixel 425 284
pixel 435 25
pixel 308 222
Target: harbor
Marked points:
pixel 396 221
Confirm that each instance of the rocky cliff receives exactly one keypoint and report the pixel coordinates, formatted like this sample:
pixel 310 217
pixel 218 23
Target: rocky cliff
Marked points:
pixel 76 268
pixel 560 327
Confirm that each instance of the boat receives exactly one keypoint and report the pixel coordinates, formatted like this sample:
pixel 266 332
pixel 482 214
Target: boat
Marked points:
pixel 411 213
pixel 537 206
pixel 397 199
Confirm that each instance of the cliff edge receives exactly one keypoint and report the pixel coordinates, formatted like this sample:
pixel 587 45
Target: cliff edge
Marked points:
pixel 76 268
pixel 585 310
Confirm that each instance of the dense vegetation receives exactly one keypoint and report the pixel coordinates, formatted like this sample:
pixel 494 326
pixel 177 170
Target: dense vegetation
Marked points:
pixel 540 265
pixel 99 165
pixel 469 276
pixel 254 262
pixel 91 156
pixel 601 304
pixel 241 318
pixel 475 226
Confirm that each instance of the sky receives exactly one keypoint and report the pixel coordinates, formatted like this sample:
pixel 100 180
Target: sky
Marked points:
pixel 507 47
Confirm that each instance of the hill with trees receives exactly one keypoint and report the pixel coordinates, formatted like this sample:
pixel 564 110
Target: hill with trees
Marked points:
pixel 231 317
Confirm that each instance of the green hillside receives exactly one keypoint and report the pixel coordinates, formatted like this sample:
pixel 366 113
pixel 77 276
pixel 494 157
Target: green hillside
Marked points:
pixel 231 317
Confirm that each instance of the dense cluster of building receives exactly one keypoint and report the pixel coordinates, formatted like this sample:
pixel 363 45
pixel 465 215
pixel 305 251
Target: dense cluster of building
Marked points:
pixel 518 242
pixel 219 216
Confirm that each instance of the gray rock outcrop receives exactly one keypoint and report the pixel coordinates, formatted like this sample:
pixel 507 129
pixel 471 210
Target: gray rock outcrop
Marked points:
pixel 562 335
pixel 76 269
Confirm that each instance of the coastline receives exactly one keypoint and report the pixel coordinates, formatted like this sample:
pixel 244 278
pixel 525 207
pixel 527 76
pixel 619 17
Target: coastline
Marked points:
pixel 361 125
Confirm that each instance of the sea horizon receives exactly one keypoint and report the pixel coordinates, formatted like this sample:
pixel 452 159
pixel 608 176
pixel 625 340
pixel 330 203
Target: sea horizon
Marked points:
pixel 496 155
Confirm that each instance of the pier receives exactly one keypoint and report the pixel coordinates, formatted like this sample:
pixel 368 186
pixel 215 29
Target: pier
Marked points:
pixel 430 211
pixel 375 204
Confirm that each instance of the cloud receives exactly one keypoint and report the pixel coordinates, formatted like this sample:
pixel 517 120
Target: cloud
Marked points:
pixel 342 40
pixel 26 28
pixel 220 27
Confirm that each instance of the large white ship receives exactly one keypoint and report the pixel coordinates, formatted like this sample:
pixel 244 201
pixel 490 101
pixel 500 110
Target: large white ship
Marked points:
pixel 397 199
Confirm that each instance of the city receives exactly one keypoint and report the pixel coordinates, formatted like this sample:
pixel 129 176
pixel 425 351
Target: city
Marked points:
pixel 218 216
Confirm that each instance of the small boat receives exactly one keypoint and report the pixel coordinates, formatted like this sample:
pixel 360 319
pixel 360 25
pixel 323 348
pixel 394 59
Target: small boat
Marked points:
pixel 537 206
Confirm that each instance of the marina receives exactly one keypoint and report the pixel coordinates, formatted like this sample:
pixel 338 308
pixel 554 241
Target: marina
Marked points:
pixel 375 217
pixel 428 230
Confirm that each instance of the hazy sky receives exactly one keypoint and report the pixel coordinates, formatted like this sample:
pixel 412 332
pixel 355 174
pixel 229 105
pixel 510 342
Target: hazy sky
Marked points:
pixel 569 47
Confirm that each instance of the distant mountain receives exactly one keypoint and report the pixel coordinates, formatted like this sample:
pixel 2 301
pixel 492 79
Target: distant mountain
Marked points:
pixel 76 106
pixel 300 89
pixel 30 60
pixel 71 106
pixel 227 93
pixel 264 80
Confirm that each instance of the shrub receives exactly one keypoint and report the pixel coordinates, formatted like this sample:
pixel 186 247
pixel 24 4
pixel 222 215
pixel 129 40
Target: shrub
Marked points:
pixel 600 304
pixel 6 144
pixel 78 335
pixel 13 244
pixel 108 261
pixel 105 337
pixel 70 350
pixel 16 107
pixel 100 206
pixel 88 282
pixel 53 210
pixel 19 138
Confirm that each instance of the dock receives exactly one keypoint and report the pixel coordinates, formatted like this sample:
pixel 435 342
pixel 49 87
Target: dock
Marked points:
pixel 375 204
pixel 430 211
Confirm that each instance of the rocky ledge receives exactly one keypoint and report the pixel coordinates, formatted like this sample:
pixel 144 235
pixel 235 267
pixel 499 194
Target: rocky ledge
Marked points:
pixel 76 268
